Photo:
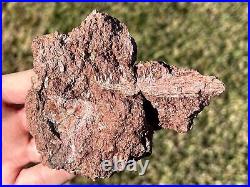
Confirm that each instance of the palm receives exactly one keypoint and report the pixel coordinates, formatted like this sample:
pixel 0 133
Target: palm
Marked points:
pixel 16 141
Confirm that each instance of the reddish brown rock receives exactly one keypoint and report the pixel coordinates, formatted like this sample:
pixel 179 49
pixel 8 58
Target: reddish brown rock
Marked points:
pixel 177 94
pixel 81 109
pixel 90 103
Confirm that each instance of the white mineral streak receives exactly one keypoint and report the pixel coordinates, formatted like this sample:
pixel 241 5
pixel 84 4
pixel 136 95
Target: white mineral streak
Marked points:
pixel 46 82
pixel 188 84
pixel 87 116
pixel 61 66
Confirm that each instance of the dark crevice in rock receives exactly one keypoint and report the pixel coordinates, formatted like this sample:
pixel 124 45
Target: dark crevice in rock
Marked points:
pixel 63 38
pixel 115 24
pixel 147 147
pixel 53 128
pixel 135 73
pixel 167 66
pixel 151 114
pixel 86 55
pixel 203 103
pixel 134 54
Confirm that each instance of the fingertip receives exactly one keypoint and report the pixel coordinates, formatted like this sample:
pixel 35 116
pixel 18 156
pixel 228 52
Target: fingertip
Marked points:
pixel 33 153
pixel 40 174
pixel 15 86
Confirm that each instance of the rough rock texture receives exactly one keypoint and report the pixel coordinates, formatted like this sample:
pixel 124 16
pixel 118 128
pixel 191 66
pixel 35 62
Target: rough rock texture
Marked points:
pixel 177 94
pixel 89 101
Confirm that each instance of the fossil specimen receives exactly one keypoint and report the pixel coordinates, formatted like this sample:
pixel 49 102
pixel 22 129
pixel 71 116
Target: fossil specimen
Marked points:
pixel 90 102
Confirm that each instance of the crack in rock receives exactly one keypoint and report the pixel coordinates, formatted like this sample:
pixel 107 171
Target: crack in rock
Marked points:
pixel 90 102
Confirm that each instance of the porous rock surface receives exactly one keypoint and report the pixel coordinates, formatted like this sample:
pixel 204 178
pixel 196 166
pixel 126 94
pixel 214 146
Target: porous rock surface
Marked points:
pixel 177 94
pixel 89 101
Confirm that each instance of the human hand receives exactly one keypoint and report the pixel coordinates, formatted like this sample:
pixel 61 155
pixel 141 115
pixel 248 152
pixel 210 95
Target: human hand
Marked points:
pixel 18 146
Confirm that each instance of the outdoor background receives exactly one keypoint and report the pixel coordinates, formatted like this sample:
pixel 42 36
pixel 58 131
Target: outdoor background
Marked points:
pixel 209 37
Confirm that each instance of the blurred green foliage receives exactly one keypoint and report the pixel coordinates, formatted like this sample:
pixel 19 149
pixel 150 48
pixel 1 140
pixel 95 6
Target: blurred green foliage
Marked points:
pixel 209 37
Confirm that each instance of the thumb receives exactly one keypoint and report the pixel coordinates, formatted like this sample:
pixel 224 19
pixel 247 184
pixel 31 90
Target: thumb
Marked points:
pixel 15 86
